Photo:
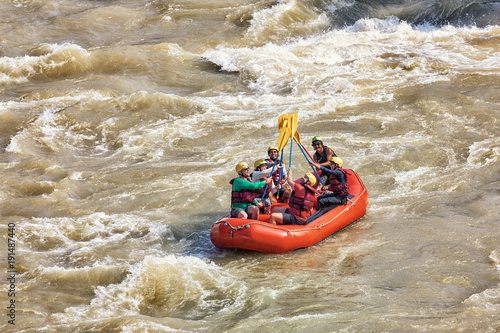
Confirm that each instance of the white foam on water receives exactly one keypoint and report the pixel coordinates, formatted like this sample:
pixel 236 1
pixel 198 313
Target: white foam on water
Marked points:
pixel 56 59
pixel 77 236
pixel 364 62
pixel 163 287
pixel 284 20
pixel 484 153
pixel 45 131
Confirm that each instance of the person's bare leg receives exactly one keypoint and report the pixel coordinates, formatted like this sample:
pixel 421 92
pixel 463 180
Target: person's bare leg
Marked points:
pixel 276 218
pixel 253 212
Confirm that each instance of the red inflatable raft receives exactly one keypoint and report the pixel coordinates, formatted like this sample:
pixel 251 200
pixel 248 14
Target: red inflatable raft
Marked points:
pixel 258 235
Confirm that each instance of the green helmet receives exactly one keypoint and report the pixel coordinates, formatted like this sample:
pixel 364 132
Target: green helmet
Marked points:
pixel 317 138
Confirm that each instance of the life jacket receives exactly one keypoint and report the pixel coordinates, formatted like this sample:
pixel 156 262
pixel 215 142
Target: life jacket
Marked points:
pixel 322 158
pixel 260 192
pixel 270 162
pixel 276 174
pixel 243 196
pixel 302 206
pixel 340 189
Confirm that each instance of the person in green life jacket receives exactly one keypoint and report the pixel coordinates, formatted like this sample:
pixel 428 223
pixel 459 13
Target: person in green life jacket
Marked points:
pixel 243 202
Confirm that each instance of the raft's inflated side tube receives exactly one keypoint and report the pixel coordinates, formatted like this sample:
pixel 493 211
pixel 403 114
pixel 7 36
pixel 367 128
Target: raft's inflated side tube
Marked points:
pixel 258 235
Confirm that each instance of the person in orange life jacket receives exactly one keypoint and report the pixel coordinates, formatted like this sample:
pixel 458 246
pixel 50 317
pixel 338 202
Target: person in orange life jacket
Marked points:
pixel 261 172
pixel 302 201
pixel 322 155
pixel 272 152
pixel 336 187
pixel 243 202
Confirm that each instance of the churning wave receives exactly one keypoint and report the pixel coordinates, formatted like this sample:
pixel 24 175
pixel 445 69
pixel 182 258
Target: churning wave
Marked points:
pixel 478 13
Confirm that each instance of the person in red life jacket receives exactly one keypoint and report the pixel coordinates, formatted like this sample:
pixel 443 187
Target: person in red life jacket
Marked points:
pixel 272 152
pixel 322 155
pixel 302 201
pixel 336 187
pixel 243 202
pixel 262 172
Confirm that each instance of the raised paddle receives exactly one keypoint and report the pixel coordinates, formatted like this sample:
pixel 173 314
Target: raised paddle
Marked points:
pixel 282 122
pixel 282 141
pixel 293 120
pixel 296 138
pixel 284 136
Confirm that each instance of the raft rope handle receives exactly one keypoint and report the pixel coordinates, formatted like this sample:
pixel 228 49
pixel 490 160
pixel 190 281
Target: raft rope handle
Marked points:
pixel 248 226
pixel 236 229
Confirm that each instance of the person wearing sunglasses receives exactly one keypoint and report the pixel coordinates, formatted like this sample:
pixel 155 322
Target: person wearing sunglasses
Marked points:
pixel 322 156
pixel 323 153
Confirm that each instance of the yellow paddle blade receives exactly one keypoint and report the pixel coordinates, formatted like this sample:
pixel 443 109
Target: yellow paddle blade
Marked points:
pixel 284 132
pixel 283 138
pixel 282 122
pixel 296 137
pixel 293 120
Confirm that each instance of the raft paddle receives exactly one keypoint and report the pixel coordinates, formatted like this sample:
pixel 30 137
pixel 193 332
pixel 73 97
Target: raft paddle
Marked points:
pixel 282 125
pixel 297 139
pixel 301 146
pixel 282 141
pixel 293 120
pixel 284 135
pixel 282 122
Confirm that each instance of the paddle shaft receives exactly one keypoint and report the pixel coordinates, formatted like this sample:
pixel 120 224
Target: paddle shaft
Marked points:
pixel 272 171
pixel 313 168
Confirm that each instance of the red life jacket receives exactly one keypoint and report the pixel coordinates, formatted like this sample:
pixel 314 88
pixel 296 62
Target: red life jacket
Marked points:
pixel 243 196
pixel 276 174
pixel 302 206
pixel 260 192
pixel 339 188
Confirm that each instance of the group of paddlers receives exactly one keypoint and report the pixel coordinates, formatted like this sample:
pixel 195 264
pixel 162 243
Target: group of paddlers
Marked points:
pixel 308 197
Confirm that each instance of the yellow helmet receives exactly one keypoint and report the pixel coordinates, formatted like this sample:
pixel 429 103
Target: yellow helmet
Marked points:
pixel 240 166
pixel 258 163
pixel 272 148
pixel 312 178
pixel 336 160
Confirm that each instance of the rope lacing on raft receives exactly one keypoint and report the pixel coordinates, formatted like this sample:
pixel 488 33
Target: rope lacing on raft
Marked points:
pixel 234 228
pixel 268 225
